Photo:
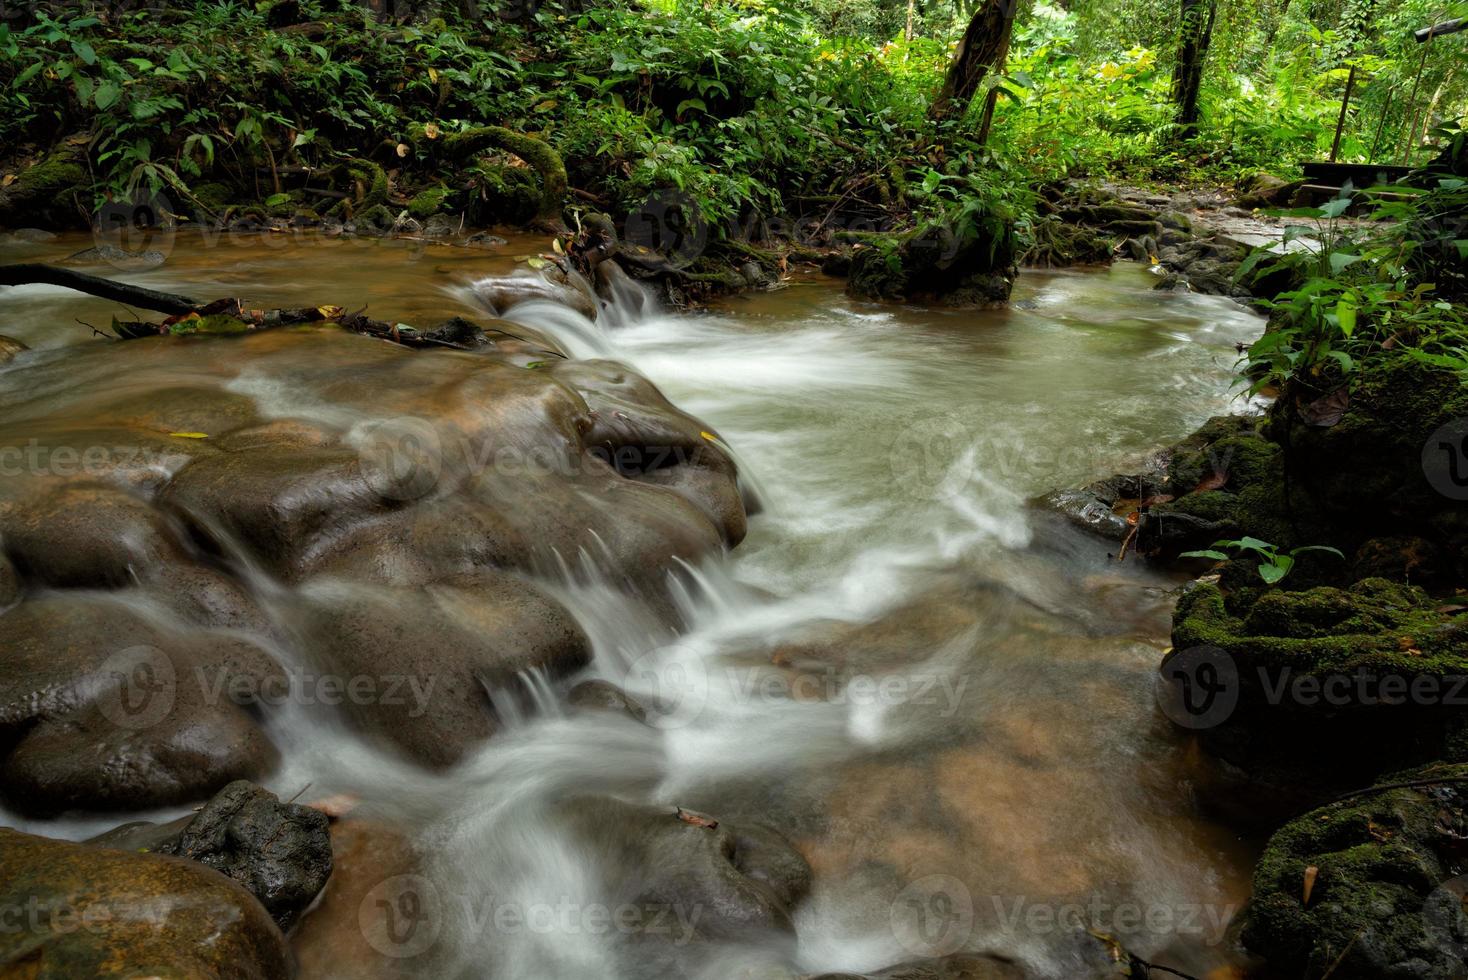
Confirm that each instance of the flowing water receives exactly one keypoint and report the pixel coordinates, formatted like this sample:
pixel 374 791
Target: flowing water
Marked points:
pixel 941 694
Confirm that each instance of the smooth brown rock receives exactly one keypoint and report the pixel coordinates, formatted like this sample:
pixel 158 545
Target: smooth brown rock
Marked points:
pixel 88 911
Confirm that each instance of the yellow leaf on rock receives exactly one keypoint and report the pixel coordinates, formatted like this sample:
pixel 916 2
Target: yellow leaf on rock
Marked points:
pixel 189 435
pixel 330 312
pixel 709 436
pixel 1310 875
pixel 431 131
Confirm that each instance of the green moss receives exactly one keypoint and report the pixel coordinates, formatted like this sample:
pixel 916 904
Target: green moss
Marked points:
pixel 427 203
pixel 540 155
pixel 49 193
pixel 504 195
pixel 1377 906
pixel 935 263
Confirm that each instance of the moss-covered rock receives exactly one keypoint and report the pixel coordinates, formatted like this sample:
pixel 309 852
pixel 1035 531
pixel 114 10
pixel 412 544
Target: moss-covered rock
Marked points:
pixel 503 195
pixel 969 262
pixel 1333 686
pixel 1385 896
pixel 52 193
pixel 429 202
pixel 80 911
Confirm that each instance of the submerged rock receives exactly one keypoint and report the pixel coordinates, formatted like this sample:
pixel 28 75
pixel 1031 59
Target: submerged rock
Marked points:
pixel 10 349
pixel 88 911
pixel 382 514
pixel 959 966
pixel 1370 887
pixel 693 877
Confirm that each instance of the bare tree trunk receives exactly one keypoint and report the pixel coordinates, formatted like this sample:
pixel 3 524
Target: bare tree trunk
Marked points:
pixel 911 11
pixel 980 50
pixel 1187 77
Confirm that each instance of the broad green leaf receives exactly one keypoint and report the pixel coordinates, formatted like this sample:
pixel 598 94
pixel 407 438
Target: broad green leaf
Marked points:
pixel 1208 553
pixel 84 51
pixel 1342 260
pixel 1345 313
pixel 107 94
pixel 1271 573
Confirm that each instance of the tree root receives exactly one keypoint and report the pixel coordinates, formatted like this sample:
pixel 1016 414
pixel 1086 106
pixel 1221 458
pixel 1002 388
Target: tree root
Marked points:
pixel 540 155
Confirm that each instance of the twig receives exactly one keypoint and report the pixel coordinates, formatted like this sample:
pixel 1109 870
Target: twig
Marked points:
pixel 1409 784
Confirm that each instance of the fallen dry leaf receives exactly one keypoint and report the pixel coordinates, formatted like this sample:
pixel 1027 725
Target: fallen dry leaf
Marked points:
pixel 1311 873
pixel 697 819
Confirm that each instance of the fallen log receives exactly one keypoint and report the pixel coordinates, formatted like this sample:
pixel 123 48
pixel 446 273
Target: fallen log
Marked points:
pixel 26 273
pixel 229 316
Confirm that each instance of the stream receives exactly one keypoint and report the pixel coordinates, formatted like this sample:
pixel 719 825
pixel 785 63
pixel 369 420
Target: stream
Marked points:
pixel 941 694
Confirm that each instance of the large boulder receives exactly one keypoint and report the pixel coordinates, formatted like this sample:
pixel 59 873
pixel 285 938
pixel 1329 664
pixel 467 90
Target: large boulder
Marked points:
pixel 87 911
pixel 969 260
pixel 1370 887
pixel 102 708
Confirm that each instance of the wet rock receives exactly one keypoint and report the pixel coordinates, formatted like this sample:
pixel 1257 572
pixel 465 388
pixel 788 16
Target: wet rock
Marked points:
pixel 709 881
pixel 9 583
pixel 502 294
pixel 1385 891
pixel 10 349
pixel 425 661
pixel 441 226
pixel 643 437
pixel 353 932
pixel 280 852
pixel 960 966
pixel 282 503
pixel 599 695
pixel 32 235
pixel 93 912
pixel 86 535
pixel 101 710
pixel 484 239
pixel 118 258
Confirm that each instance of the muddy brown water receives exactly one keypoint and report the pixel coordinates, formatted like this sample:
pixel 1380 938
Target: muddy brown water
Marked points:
pixel 941 695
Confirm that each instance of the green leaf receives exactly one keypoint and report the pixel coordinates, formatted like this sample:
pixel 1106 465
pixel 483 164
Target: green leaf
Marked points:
pixel 107 94
pixel 27 75
pixel 1271 573
pixel 1342 260
pixel 1345 313
pixel 84 51
pixel 277 199
pixel 1335 208
pixel 1209 553
pixel 687 104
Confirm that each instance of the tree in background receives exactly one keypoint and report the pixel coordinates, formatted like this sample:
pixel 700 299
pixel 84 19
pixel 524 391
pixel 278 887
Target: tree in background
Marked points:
pixel 1196 35
pixel 981 50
